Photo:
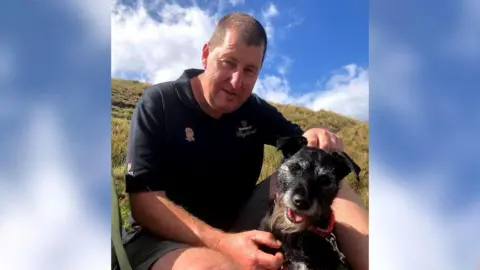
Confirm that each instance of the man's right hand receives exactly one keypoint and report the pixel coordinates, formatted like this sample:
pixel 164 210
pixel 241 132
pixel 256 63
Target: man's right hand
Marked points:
pixel 244 249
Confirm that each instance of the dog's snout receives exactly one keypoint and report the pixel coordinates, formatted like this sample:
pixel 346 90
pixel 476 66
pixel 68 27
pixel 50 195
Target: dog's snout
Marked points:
pixel 300 201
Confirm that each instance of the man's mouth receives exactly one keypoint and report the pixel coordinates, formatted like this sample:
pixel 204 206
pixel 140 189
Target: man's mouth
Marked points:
pixel 230 93
pixel 295 217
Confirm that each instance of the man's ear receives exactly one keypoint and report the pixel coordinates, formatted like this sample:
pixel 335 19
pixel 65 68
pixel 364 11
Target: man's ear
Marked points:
pixel 291 145
pixel 344 165
pixel 205 53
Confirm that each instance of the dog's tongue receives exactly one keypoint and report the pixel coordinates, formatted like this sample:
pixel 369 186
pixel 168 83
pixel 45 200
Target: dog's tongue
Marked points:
pixel 294 217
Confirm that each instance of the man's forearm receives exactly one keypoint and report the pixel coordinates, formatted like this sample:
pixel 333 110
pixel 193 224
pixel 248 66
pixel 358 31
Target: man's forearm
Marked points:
pixel 153 211
pixel 352 228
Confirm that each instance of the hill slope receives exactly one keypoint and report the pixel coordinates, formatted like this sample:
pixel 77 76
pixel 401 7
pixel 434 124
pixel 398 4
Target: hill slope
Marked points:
pixel 125 94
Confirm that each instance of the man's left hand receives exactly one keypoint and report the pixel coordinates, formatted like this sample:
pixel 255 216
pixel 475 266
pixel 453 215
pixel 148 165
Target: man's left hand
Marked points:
pixel 324 139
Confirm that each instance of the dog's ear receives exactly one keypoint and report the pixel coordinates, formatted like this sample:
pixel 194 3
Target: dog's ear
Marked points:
pixel 344 165
pixel 291 145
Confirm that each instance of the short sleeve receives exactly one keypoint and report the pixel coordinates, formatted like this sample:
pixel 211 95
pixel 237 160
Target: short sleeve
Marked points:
pixel 145 147
pixel 274 124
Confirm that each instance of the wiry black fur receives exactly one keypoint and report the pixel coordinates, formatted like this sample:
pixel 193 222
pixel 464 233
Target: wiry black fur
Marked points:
pixel 316 175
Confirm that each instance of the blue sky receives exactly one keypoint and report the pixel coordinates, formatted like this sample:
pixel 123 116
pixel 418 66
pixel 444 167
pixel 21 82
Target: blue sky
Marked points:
pixel 326 37
pixel 452 100
pixel 55 120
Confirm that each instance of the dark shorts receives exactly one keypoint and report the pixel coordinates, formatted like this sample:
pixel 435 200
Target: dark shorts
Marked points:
pixel 143 248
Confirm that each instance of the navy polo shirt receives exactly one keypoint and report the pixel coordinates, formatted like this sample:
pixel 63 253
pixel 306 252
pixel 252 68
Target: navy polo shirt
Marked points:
pixel 208 166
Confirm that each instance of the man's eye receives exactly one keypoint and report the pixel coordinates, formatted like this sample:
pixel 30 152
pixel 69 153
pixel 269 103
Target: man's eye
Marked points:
pixel 228 63
pixel 251 71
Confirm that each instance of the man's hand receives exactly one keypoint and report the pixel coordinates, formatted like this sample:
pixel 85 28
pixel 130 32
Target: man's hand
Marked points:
pixel 244 249
pixel 324 139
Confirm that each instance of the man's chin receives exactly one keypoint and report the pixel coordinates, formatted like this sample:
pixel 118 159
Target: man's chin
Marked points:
pixel 227 106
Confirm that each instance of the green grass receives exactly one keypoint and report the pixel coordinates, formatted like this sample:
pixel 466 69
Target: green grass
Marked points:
pixel 125 94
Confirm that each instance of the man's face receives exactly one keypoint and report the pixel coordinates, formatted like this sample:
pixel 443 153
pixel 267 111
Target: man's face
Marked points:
pixel 231 70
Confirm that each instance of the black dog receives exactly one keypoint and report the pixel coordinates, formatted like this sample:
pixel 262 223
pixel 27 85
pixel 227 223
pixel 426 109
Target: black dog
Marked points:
pixel 301 216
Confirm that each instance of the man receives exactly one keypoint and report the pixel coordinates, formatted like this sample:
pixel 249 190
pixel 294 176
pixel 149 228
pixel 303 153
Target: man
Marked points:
pixel 195 151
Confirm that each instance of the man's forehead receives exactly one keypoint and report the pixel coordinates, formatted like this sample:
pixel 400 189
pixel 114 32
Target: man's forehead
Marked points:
pixel 241 47
pixel 233 43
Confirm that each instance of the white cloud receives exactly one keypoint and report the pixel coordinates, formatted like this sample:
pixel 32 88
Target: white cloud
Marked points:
pixel 273 88
pixel 344 93
pixel 268 14
pixel 284 65
pixel 293 20
pixel 45 222
pixel 94 14
pixel 236 2
pixel 410 228
pixel 347 94
pixel 140 44
pixel 296 21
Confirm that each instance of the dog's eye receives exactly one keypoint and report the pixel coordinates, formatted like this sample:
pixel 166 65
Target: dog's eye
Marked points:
pixel 323 179
pixel 294 167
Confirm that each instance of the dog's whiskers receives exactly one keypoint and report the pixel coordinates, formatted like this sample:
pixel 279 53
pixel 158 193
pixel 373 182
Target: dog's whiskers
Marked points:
pixel 279 220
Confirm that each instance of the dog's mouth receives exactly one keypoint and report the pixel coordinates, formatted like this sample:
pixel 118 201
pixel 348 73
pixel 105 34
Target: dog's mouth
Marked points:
pixel 295 216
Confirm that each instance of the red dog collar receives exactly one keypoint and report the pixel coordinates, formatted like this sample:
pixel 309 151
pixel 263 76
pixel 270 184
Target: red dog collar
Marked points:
pixel 325 232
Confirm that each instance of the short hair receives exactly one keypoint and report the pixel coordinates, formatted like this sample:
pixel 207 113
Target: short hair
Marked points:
pixel 249 29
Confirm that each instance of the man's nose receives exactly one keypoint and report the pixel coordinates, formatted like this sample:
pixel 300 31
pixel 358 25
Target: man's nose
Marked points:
pixel 237 79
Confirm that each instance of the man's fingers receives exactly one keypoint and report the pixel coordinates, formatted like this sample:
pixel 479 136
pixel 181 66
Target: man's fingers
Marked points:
pixel 324 139
pixel 325 143
pixel 334 143
pixel 269 261
pixel 267 239
pixel 312 141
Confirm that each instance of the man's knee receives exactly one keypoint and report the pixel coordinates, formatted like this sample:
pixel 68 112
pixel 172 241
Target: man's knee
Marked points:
pixel 194 259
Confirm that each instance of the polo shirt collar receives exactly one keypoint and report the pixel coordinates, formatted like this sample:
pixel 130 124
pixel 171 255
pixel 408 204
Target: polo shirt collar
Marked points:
pixel 185 93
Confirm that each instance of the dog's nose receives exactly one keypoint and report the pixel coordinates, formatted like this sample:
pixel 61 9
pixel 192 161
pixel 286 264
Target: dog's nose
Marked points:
pixel 300 201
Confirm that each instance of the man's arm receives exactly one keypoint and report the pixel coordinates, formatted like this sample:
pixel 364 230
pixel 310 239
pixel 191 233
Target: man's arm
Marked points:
pixel 146 179
pixel 154 211
pixel 352 227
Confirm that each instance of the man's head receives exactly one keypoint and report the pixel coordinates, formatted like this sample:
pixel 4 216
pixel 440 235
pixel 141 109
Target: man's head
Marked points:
pixel 232 60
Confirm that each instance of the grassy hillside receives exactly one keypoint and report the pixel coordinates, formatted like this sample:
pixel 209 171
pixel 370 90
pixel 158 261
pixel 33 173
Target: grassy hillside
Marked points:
pixel 354 133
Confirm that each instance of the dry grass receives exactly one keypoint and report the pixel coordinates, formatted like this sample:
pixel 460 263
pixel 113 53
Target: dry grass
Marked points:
pixel 125 94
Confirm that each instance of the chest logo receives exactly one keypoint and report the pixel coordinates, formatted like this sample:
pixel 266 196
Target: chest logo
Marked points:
pixel 245 130
pixel 129 168
pixel 189 135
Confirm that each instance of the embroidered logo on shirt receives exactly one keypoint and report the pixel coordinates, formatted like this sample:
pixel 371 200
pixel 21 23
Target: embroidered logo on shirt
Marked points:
pixel 245 130
pixel 189 135
pixel 129 168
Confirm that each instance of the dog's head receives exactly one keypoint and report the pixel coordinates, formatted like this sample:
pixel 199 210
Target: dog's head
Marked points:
pixel 308 181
